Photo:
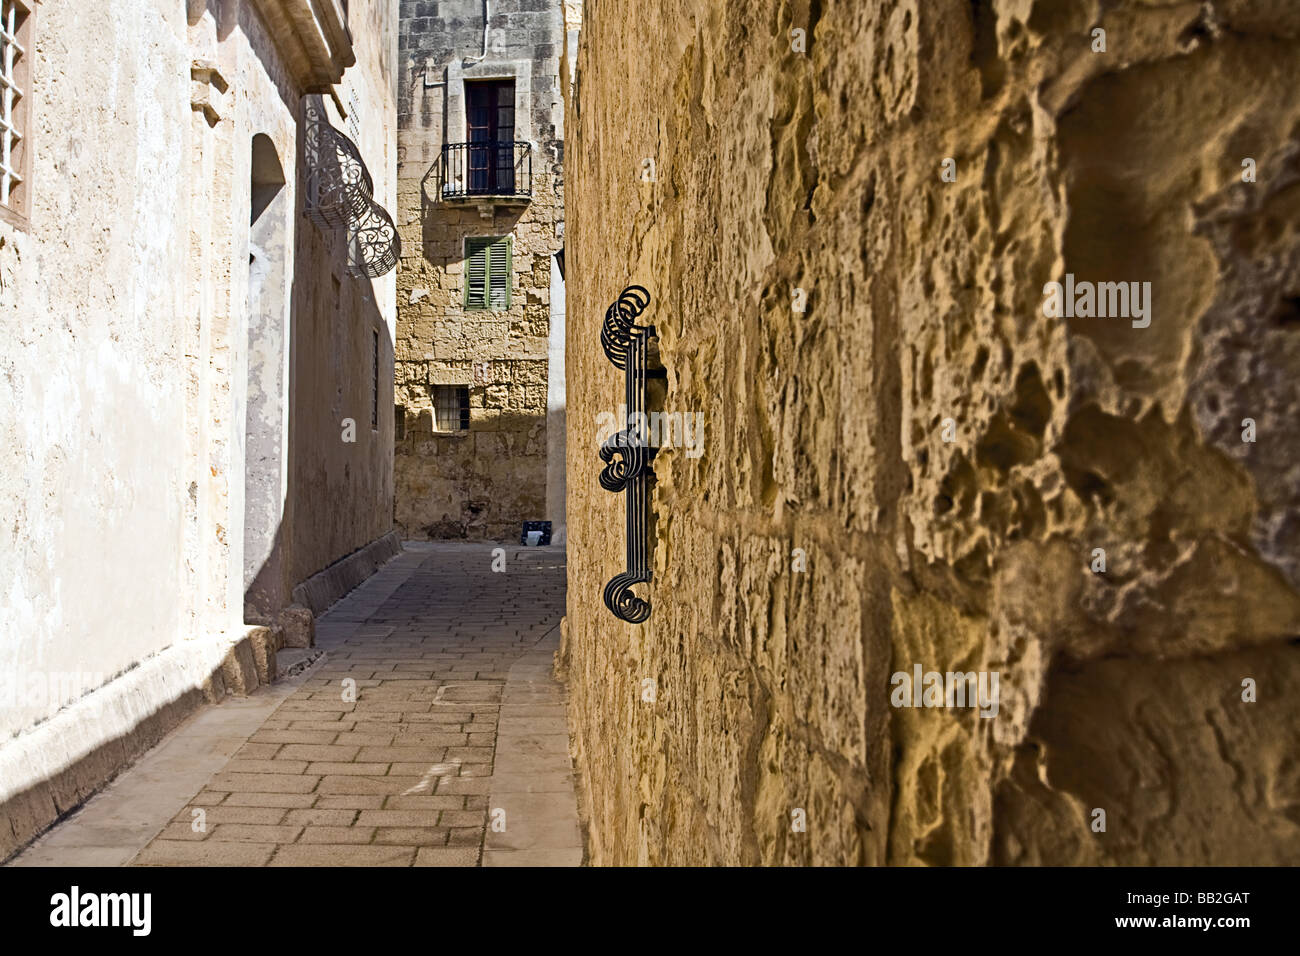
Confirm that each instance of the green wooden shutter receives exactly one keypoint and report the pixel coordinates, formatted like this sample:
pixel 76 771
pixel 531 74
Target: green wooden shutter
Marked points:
pixel 499 273
pixel 476 273
pixel 488 273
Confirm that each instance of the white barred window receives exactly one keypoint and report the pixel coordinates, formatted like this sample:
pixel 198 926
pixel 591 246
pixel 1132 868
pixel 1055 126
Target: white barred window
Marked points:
pixel 14 70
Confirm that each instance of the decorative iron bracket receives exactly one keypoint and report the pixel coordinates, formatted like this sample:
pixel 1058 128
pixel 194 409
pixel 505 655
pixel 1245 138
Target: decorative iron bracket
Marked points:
pixel 627 453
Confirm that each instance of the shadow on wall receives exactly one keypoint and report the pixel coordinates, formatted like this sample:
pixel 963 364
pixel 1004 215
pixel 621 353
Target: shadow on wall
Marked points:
pixel 265 403
pixel 319 424
pixel 439 218
pixel 225 14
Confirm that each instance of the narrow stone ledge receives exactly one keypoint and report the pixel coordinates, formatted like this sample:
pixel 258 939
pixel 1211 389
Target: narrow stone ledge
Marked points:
pixel 51 769
pixel 322 589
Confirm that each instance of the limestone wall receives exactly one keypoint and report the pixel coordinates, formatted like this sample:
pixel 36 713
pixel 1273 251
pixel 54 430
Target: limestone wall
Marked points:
pixel 157 350
pixel 92 357
pixel 948 456
pixel 483 482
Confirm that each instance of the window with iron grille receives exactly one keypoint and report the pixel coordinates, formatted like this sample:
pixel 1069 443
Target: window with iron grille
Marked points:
pixel 487 272
pixel 354 115
pixel 15 71
pixel 374 385
pixel 451 408
pixel 399 422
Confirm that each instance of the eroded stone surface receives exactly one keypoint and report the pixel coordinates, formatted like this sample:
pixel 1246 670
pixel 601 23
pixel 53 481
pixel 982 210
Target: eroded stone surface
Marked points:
pixel 824 430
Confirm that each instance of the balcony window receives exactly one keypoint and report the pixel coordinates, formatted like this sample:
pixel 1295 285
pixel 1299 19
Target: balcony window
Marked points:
pixel 491 162
pixel 490 121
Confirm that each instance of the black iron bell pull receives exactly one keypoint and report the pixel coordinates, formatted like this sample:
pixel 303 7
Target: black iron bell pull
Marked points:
pixel 628 453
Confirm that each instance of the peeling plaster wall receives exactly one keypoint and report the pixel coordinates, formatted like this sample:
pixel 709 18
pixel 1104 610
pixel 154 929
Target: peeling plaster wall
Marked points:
pixel 824 430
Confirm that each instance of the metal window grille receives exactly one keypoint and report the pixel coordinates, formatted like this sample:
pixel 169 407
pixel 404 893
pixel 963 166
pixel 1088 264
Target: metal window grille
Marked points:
pixel 13 16
pixel 399 422
pixel 451 408
pixel 374 385
pixel 354 115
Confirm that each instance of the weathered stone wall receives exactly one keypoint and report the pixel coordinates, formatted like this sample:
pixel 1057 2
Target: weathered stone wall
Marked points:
pixel 341 496
pixel 778 170
pixel 128 353
pixel 480 483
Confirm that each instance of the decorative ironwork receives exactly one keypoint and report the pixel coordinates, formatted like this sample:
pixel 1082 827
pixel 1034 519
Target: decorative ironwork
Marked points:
pixel 627 454
pixel 338 183
pixel 340 195
pixel 373 243
pixel 487 168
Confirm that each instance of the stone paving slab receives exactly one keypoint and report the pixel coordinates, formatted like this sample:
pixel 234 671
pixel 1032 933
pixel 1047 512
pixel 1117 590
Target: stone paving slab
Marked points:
pixel 431 733
pixel 112 826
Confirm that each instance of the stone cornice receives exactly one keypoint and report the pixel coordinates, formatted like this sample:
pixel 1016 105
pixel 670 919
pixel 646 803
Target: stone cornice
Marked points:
pixel 313 37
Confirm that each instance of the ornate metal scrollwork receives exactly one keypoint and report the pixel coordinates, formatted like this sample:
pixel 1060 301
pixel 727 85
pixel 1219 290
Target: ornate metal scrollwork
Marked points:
pixel 373 243
pixel 627 454
pixel 340 194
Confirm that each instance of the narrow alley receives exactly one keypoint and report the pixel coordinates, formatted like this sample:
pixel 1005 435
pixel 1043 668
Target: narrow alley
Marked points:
pixel 430 732
pixel 655 435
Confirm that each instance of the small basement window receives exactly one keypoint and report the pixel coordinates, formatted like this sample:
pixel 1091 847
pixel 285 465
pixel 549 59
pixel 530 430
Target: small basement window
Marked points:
pixel 451 408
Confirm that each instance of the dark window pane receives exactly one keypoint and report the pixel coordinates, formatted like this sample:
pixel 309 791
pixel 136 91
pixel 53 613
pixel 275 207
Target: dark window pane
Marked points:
pixel 490 126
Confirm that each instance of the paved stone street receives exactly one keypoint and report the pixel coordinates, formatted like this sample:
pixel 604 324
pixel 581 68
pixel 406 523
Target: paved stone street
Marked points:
pixel 453 750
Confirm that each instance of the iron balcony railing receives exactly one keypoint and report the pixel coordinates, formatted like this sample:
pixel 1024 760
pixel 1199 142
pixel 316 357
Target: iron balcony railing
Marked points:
pixel 488 168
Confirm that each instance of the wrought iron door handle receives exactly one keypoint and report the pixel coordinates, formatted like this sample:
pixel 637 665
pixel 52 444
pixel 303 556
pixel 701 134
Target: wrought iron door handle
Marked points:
pixel 627 453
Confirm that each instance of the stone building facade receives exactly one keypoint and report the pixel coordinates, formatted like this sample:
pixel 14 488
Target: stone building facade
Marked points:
pixel 908 460
pixel 195 373
pixel 479 356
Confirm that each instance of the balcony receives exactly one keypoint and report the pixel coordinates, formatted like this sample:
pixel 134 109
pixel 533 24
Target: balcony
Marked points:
pixel 492 171
pixel 313 35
